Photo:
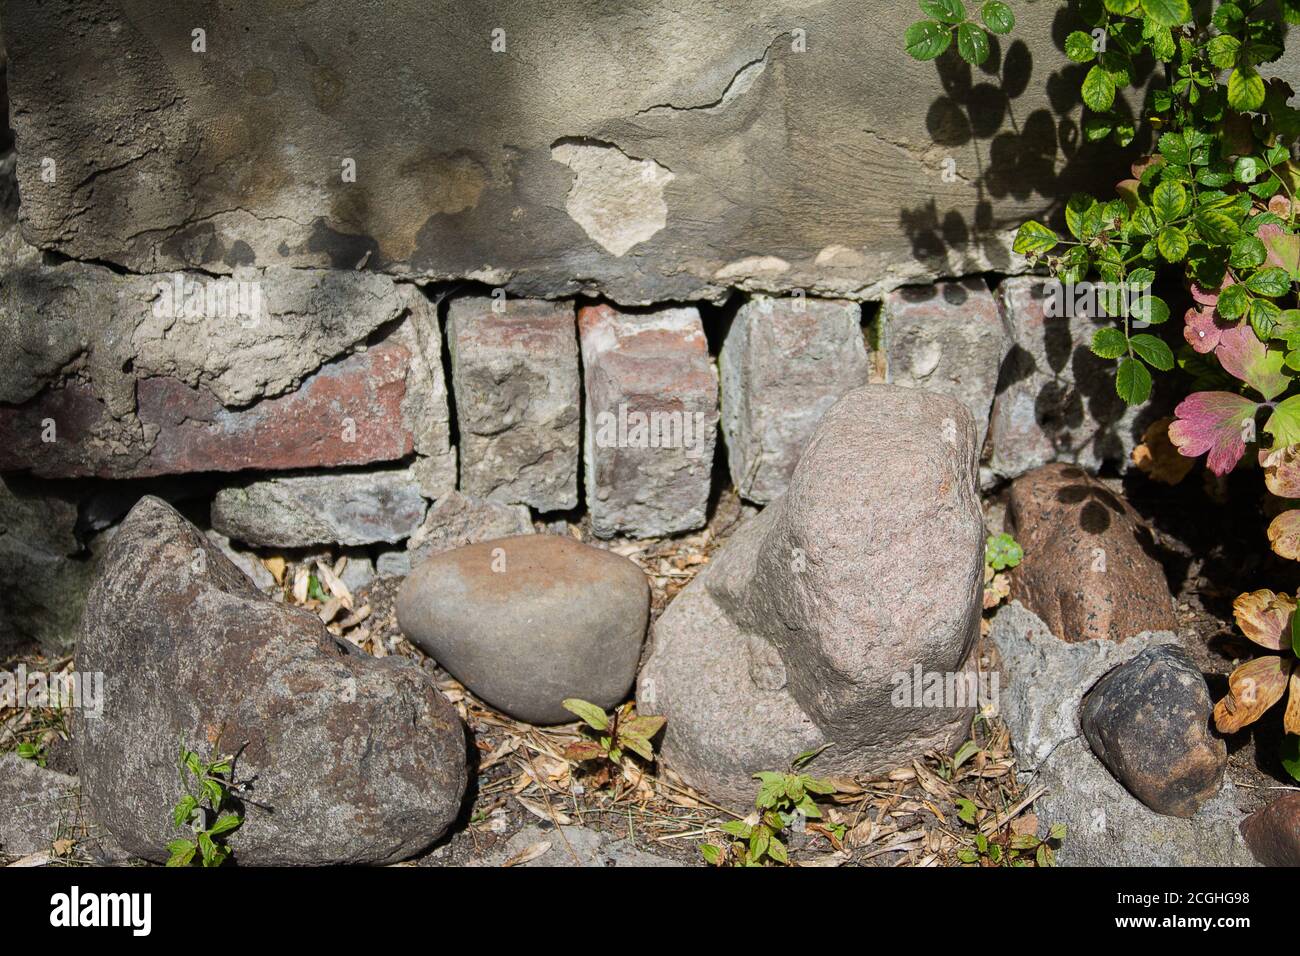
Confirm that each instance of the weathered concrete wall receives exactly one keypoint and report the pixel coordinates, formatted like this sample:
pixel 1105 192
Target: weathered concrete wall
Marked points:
pixel 648 152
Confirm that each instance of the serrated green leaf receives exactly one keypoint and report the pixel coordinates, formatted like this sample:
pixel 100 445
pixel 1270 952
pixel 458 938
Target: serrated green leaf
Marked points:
pixel 1247 253
pixel 226 824
pixel 1245 89
pixel 947 11
pixel 1223 50
pixel 1167 13
pixel 1109 343
pixel 997 16
pixel 1121 6
pixel 1233 302
pixel 737 828
pixel 1172 243
pixel 1133 381
pixel 1098 89
pixel 1078 47
pixel 1271 282
pixel 972 44
pixel 712 854
pixel 926 39
pixel 1153 351
pixel 1169 201
pixel 1034 237
pixel 776 850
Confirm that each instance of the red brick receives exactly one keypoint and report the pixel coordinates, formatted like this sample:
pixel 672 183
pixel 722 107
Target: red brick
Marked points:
pixel 185 429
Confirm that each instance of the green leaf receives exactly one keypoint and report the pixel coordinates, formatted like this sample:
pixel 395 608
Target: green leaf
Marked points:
pixel 972 44
pixel 712 854
pixel 1133 381
pixel 637 744
pixel 1078 47
pixel 182 853
pixel 997 16
pixel 759 841
pixel 1216 227
pixel 1247 253
pixel 737 828
pixel 1109 343
pixel 1233 302
pixel 590 714
pixel 776 850
pixel 1169 200
pixel 1246 169
pixel 1172 243
pixel 1271 282
pixel 187 806
pixel 1290 753
pixel 1034 237
pixel 1121 6
pixel 1245 89
pixel 1098 90
pixel 1263 317
pixel 1223 50
pixel 1167 13
pixel 1057 832
pixel 1284 423
pixel 1153 351
pixel 926 39
pixel 949 11
pixel 817 785
pixel 227 823
pixel 1173 147
pixel 966 811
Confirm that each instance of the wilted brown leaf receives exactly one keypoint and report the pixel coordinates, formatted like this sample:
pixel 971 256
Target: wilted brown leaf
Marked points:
pixel 1282 471
pixel 1291 719
pixel 528 853
pixel 1253 688
pixel 1284 535
pixel 1159 458
pixel 1265 618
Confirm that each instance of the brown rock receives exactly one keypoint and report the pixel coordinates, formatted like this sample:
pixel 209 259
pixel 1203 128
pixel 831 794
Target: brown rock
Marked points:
pixel 1087 571
pixel 1273 833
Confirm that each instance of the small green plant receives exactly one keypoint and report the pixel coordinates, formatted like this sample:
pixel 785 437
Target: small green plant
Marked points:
pixel 208 812
pixel 1001 552
pixel 1010 849
pixel 782 798
pixel 927 39
pixel 615 733
pixel 31 751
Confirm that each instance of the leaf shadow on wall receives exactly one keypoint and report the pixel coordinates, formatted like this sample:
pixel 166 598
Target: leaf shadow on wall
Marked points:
pixel 1042 157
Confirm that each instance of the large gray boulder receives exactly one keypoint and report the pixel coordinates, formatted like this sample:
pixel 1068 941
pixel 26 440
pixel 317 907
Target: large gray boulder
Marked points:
pixel 346 758
pixel 809 624
pixel 528 621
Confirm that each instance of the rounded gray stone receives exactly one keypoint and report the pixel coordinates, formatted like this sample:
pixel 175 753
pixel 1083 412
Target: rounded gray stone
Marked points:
pixel 527 621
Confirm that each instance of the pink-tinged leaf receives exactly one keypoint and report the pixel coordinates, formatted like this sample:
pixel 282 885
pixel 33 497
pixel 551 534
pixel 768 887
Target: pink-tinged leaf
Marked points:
pixel 1283 248
pixel 1265 618
pixel 1214 422
pixel 1244 356
pixel 1280 206
pixel 1284 535
pixel 1202 328
pixel 1208 296
pixel 1282 471
pixel 1144 163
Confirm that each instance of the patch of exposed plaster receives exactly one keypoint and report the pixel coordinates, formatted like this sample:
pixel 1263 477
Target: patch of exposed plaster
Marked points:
pixel 746 268
pixel 617 199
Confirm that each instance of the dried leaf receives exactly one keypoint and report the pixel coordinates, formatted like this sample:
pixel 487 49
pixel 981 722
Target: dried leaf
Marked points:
pixel 1282 471
pixel 1253 688
pixel 301 581
pixel 1157 456
pixel 1291 719
pixel 1265 618
pixel 528 854
pixel 1284 535
pixel 276 567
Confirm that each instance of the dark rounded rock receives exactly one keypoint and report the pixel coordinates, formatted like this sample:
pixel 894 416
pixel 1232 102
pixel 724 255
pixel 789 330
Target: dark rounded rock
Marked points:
pixel 525 622
pixel 347 758
pixel 1148 721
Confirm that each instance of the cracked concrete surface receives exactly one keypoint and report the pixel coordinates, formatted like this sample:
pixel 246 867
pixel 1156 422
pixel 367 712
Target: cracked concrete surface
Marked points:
pixel 762 119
